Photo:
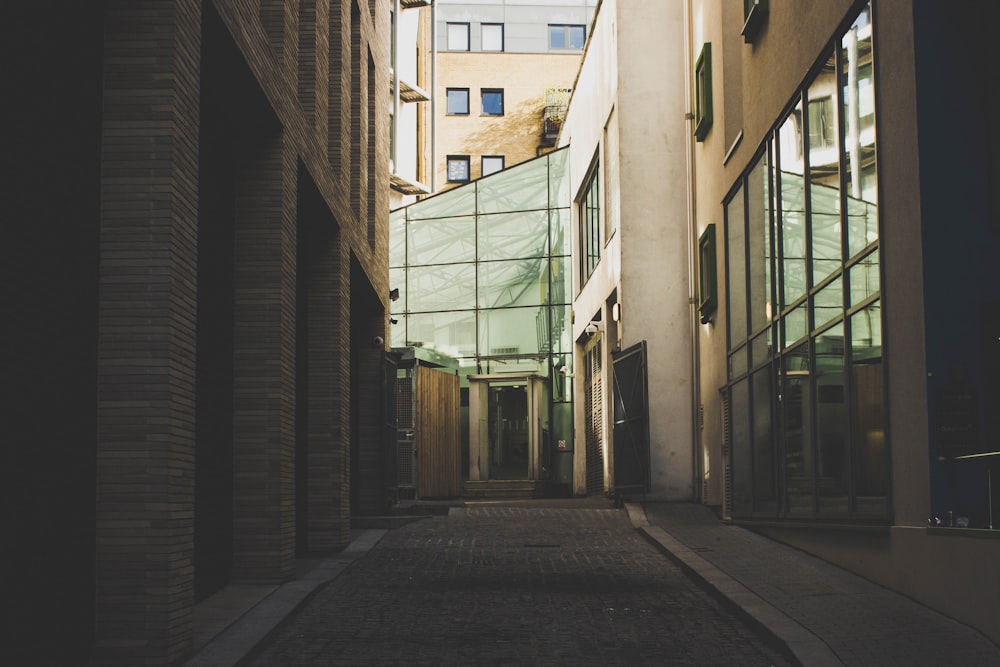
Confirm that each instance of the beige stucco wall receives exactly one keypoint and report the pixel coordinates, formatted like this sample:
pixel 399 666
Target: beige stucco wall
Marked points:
pixel 524 78
pixel 636 85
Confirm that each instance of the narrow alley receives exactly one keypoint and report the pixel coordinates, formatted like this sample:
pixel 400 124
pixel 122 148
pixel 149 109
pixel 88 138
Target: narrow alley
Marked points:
pixel 493 584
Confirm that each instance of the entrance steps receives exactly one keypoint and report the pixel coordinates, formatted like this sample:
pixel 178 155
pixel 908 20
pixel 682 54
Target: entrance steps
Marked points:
pixel 503 489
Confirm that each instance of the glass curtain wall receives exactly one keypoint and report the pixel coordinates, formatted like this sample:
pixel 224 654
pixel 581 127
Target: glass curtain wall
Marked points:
pixel 483 273
pixel 805 322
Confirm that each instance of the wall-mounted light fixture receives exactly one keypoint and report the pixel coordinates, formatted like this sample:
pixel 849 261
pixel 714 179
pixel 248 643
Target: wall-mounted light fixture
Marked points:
pixel 394 294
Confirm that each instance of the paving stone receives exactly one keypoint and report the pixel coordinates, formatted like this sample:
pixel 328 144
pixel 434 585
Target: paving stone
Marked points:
pixel 516 585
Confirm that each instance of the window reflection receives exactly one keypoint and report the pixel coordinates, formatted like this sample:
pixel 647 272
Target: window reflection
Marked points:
pixel 831 420
pixel 858 83
pixel 792 207
pixel 797 427
pixel 736 249
pixel 824 171
pixel 759 241
pixel 868 425
pixel 765 499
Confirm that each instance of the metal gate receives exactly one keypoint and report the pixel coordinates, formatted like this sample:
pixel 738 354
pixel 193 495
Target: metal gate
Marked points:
pixel 594 407
pixel 405 426
pixel 631 425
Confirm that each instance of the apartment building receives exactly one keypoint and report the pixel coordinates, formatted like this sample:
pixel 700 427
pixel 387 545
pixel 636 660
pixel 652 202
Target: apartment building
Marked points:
pixel 196 293
pixel 502 74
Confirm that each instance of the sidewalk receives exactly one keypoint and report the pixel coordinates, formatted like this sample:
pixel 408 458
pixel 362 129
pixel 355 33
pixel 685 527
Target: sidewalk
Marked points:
pixel 825 615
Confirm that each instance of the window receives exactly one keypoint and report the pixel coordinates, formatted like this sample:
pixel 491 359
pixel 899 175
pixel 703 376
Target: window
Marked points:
pixel 458 36
pixel 567 36
pixel 458 101
pixel 707 298
pixel 492 36
pixel 703 93
pixel 458 168
pixel 754 14
pixel 589 206
pixel 492 164
pixel 805 373
pixel 492 101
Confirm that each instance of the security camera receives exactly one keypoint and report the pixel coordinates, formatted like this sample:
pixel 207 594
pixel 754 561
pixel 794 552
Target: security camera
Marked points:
pixel 591 330
pixel 378 341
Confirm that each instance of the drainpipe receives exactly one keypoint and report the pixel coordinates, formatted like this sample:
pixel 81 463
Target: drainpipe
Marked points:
pixel 433 123
pixel 696 467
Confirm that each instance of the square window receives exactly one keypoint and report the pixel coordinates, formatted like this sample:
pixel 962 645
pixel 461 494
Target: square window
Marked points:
pixel 703 92
pixel 492 101
pixel 492 36
pixel 567 36
pixel 492 164
pixel 458 168
pixel 458 101
pixel 458 36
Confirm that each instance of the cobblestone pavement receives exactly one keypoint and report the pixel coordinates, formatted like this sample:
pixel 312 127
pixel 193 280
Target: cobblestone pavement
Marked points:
pixel 502 585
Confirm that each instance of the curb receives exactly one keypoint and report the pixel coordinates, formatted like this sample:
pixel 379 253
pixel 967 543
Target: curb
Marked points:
pixel 801 644
pixel 239 640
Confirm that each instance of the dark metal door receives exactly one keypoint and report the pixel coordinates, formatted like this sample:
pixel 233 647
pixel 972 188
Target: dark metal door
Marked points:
pixel 631 425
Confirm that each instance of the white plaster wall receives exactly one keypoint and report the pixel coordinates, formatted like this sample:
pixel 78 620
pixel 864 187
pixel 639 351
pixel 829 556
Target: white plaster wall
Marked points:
pixel 634 65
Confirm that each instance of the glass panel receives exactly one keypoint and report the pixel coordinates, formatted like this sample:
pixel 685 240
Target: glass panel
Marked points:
pixel 557 37
pixel 492 37
pixel 397 280
pixel 520 188
pixel 742 457
pixel 868 427
pixel 441 287
pixel 738 362
pixel 577 37
pixel 562 332
pixel 451 333
pixel 759 240
pixel 397 332
pixel 796 416
pixel 397 238
pixel 442 241
pixel 458 36
pixel 512 331
pixel 864 278
pixel 492 164
pixel 824 171
pixel 765 499
pixel 858 80
pixel 559 178
pixel 560 219
pixel 792 207
pixel 828 303
pixel 492 102
pixel 460 201
pixel 831 421
pixel 513 235
pixel 794 325
pixel 736 237
pixel 761 348
pixel 458 169
pixel 513 283
pixel 458 101
pixel 560 280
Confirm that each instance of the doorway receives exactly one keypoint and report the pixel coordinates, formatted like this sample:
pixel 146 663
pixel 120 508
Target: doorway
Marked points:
pixel 509 420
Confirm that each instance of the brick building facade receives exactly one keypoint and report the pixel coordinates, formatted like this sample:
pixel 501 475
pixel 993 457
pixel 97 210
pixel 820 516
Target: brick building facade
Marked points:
pixel 195 257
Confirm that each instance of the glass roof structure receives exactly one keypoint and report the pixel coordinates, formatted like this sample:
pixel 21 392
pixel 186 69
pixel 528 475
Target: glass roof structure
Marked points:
pixel 483 271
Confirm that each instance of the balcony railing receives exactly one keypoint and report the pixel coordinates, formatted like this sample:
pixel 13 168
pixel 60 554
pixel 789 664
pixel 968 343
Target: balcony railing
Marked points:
pixel 552 119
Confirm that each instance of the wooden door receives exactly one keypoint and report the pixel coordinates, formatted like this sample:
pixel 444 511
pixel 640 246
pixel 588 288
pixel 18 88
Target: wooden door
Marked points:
pixel 438 439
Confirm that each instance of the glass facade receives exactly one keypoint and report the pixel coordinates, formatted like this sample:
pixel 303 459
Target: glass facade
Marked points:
pixel 805 380
pixel 483 273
